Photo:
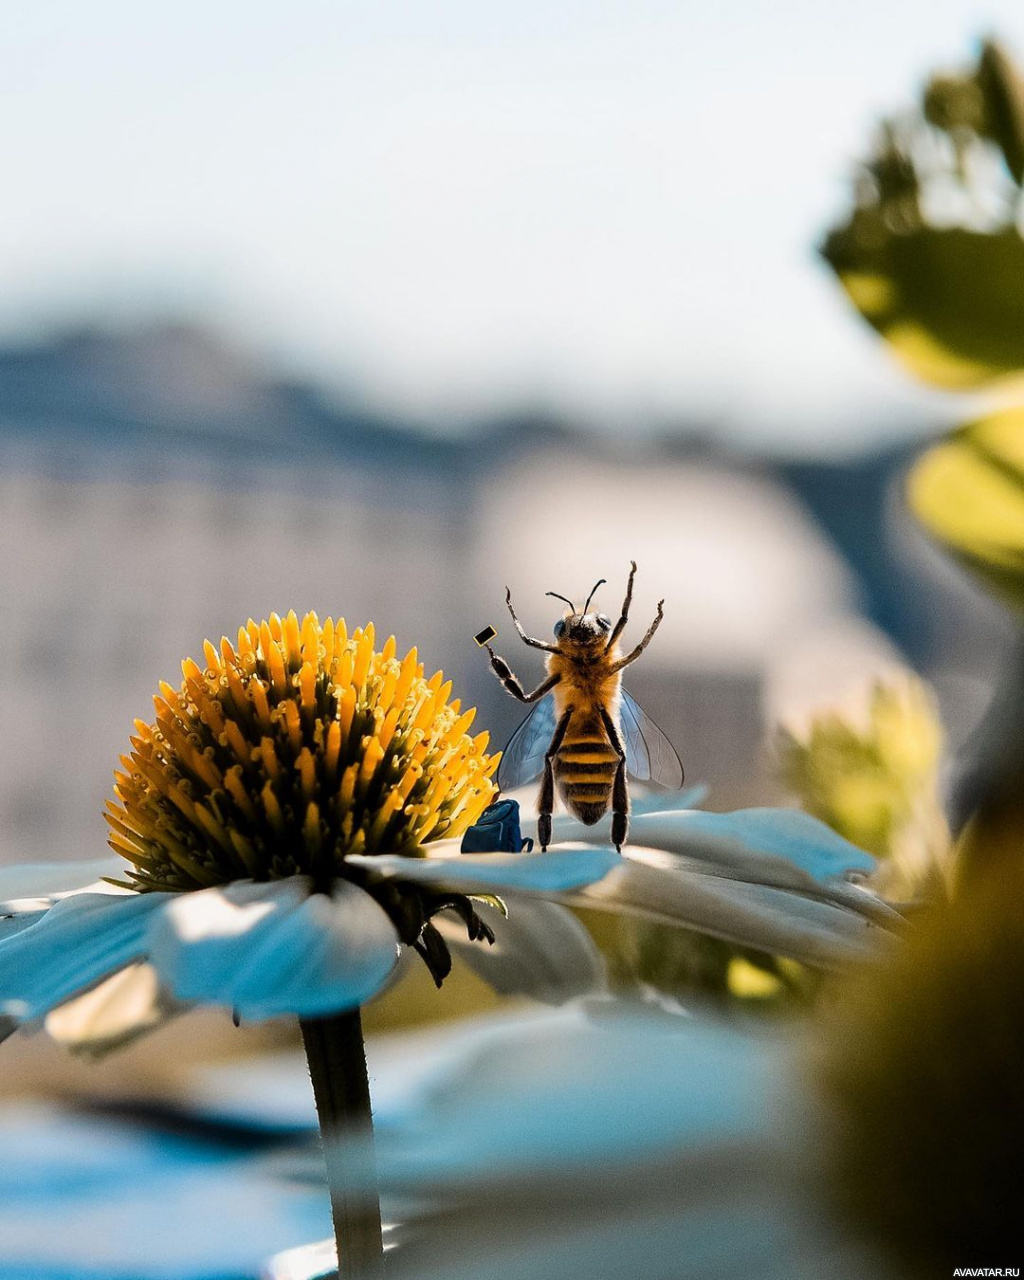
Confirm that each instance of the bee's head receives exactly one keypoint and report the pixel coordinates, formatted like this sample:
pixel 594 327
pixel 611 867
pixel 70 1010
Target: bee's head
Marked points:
pixel 580 626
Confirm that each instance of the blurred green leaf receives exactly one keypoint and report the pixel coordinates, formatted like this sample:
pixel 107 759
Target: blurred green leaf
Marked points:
pixel 1002 90
pixel 949 301
pixel 969 492
pixel 931 253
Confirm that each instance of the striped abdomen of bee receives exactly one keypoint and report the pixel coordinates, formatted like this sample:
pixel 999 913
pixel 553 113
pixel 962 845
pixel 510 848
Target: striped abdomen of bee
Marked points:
pixel 586 760
pixel 585 768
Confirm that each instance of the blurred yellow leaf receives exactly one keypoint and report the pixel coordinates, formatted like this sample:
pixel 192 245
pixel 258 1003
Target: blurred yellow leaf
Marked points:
pixel 969 492
pixel 749 982
pixel 949 301
pixel 870 770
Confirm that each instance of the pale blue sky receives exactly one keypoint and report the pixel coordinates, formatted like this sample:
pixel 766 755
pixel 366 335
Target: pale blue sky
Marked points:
pixel 453 205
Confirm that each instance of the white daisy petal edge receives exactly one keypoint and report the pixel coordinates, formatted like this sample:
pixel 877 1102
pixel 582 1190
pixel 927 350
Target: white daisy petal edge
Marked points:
pixel 273 948
pixel 776 846
pixel 779 921
pixel 71 947
pixel 556 871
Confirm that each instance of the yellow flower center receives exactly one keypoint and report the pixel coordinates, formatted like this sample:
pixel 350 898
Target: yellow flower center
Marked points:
pixel 291 750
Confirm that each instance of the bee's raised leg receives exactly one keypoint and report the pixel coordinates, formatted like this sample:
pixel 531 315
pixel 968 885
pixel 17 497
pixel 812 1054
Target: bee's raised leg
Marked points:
pixel 620 790
pixel 534 644
pixel 624 616
pixel 546 801
pixel 504 673
pixel 635 653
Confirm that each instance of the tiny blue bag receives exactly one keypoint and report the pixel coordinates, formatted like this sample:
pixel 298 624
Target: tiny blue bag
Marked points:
pixel 497 831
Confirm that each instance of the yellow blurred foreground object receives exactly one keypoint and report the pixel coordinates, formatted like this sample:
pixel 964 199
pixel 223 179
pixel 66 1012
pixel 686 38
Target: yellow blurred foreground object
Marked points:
pixel 922 1064
pixel 968 491
pixel 875 780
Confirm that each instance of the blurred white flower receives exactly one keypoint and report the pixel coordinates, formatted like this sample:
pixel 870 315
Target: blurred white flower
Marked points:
pixel 608 1141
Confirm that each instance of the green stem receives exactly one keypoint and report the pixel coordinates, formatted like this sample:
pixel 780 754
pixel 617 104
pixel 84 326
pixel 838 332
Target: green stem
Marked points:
pixel 337 1068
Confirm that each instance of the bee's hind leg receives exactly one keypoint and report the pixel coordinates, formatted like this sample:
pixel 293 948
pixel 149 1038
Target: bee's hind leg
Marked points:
pixel 620 789
pixel 547 787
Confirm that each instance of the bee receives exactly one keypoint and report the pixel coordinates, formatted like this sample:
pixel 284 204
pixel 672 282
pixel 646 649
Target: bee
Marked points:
pixel 586 732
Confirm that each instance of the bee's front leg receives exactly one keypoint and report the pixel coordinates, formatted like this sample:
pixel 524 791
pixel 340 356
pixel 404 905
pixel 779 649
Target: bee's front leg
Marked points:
pixel 508 678
pixel 546 802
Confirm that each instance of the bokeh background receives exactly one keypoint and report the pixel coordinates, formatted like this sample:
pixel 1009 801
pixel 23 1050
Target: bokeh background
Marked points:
pixel 374 309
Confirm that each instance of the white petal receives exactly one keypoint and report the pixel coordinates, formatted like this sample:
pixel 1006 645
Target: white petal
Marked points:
pixel 627 1146
pixel 122 1007
pixel 80 940
pixel 551 872
pixel 20 913
pixel 775 920
pixel 776 846
pixel 48 881
pixel 275 948
pixel 541 951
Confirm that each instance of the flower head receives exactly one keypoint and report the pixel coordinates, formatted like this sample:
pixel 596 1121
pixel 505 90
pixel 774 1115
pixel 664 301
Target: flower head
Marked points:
pixel 291 751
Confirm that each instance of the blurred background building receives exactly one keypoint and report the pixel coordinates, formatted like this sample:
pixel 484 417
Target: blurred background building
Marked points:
pixel 158 487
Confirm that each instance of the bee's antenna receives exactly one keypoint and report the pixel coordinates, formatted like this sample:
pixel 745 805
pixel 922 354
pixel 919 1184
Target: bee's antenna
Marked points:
pixel 558 597
pixel 600 583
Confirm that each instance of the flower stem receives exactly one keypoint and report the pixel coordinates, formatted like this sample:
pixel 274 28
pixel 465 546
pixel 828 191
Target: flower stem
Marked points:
pixel 337 1068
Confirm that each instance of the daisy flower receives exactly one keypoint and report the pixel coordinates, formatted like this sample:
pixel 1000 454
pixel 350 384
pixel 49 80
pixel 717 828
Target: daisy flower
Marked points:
pixel 290 821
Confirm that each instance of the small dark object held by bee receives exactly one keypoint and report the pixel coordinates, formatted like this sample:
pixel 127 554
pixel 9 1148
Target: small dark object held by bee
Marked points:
pixel 497 830
pixel 482 637
pixel 586 732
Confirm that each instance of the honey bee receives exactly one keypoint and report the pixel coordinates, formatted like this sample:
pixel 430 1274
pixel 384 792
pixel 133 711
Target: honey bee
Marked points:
pixel 586 732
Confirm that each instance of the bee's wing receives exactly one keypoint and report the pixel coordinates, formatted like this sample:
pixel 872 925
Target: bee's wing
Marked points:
pixel 523 757
pixel 650 757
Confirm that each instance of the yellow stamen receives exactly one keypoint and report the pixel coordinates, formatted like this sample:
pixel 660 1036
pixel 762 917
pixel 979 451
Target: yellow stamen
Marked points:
pixel 346 711
pixel 236 789
pixel 269 758
pixel 261 706
pixel 347 790
pixel 372 757
pixel 293 725
pixel 311 829
pixel 292 641
pixel 307 773
pixel 310 640
pixel 333 746
pixel 276 667
pixel 364 652
pixel 272 809
pixel 307 686
pixel 212 658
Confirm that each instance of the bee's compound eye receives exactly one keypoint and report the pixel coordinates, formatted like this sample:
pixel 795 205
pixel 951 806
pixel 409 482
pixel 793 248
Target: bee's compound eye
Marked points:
pixel 559 627
pixel 604 622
